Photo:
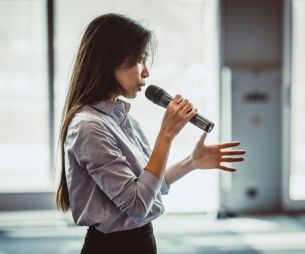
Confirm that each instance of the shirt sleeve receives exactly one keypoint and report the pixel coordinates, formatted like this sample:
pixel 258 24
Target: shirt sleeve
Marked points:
pixel 97 150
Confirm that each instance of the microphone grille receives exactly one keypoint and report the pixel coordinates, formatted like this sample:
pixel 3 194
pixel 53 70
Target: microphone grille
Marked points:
pixel 151 92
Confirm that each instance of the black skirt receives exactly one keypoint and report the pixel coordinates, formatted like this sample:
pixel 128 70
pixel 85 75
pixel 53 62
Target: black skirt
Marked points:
pixel 136 241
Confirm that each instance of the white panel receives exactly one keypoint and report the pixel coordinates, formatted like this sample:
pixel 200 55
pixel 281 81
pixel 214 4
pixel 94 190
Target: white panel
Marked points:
pixel 256 123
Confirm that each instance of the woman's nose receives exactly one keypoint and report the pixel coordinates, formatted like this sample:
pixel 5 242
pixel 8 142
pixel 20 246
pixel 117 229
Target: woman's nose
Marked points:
pixel 145 72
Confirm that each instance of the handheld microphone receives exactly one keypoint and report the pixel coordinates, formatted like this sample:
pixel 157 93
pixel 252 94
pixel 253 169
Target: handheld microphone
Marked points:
pixel 158 96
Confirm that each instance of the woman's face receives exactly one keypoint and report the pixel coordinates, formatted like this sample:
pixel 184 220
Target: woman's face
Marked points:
pixel 132 78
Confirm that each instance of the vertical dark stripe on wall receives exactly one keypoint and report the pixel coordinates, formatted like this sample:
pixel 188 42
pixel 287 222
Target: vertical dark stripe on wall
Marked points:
pixel 50 39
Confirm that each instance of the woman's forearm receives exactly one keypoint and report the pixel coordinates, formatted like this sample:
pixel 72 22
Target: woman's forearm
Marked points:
pixel 176 116
pixel 158 160
pixel 178 170
pixel 159 156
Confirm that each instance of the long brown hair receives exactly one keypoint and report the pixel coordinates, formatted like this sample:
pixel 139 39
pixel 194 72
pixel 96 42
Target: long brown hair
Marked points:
pixel 107 42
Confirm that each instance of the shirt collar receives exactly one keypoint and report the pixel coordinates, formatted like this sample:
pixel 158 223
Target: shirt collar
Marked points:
pixel 116 109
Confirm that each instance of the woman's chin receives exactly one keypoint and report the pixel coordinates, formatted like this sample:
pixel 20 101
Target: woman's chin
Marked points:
pixel 131 96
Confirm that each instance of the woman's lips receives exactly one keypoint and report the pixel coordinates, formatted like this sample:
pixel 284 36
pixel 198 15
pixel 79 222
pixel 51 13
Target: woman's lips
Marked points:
pixel 140 86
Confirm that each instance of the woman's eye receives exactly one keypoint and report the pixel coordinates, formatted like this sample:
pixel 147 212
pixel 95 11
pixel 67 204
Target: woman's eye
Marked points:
pixel 142 60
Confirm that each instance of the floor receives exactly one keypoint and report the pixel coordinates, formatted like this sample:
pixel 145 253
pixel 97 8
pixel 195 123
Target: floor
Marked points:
pixel 43 231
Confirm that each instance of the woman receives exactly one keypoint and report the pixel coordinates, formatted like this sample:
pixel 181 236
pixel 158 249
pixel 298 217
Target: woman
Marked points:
pixel 111 180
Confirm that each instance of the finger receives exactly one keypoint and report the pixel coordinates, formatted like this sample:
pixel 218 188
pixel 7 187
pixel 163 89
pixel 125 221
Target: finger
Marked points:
pixel 184 102
pixel 235 152
pixel 181 104
pixel 187 108
pixel 203 137
pixel 179 107
pixel 177 99
pixel 230 159
pixel 225 168
pixel 229 144
pixel 191 113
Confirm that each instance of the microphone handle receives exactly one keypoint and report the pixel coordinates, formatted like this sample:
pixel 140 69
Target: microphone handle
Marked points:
pixel 197 120
pixel 202 123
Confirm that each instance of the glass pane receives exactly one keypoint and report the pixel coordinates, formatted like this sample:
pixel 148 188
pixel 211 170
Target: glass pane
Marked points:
pixel 297 177
pixel 186 63
pixel 23 97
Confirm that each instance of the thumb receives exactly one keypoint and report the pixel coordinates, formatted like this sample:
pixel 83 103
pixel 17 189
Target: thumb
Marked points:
pixel 203 137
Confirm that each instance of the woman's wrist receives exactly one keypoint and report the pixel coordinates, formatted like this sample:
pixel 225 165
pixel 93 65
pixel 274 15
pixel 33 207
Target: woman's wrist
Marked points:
pixel 179 170
pixel 165 136
pixel 190 163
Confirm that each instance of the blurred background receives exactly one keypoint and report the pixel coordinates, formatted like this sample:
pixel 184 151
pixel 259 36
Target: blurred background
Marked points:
pixel 241 62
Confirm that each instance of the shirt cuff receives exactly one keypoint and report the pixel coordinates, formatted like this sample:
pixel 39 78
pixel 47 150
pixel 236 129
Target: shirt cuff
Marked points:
pixel 165 187
pixel 150 181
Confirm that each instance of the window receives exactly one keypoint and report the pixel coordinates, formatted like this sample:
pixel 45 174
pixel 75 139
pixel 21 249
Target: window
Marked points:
pixel 24 147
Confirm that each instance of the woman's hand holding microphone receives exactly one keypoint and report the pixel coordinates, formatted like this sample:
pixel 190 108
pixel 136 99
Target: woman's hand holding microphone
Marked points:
pixel 179 111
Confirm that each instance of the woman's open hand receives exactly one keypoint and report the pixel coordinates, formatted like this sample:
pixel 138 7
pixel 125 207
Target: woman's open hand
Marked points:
pixel 207 157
